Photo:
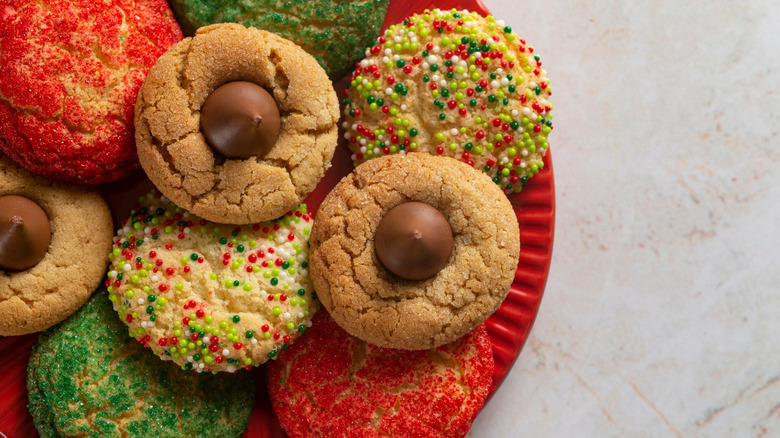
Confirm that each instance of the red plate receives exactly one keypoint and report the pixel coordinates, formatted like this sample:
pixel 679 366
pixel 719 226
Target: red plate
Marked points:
pixel 508 327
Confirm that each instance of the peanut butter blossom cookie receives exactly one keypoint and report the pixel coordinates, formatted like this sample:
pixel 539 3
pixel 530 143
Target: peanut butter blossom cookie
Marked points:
pixel 413 250
pixel 207 296
pixel 53 240
pixel 236 125
pixel 333 32
pixel 70 75
pixel 87 378
pixel 457 84
pixel 331 384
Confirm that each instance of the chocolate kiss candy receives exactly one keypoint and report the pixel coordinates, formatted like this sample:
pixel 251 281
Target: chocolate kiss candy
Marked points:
pixel 240 119
pixel 413 241
pixel 25 233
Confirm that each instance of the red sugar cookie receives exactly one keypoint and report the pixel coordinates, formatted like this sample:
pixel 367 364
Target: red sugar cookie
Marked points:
pixel 70 75
pixel 330 384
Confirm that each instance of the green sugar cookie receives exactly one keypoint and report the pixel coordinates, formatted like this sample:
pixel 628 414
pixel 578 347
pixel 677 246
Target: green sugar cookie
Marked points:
pixel 88 378
pixel 334 32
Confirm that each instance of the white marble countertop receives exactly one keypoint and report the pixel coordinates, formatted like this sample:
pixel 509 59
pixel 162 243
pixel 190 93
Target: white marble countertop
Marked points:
pixel 661 316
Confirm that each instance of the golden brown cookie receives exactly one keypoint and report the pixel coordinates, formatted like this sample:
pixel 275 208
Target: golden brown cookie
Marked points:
pixel 81 231
pixel 384 309
pixel 179 161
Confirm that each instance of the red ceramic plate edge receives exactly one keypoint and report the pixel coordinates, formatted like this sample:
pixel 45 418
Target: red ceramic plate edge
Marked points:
pixel 508 326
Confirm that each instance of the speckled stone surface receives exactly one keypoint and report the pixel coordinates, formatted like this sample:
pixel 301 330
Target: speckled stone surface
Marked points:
pixel 660 315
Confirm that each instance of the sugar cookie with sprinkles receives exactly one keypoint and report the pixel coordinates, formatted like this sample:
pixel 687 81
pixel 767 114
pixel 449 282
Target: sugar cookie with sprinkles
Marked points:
pixel 333 32
pixel 457 84
pixel 331 384
pixel 70 75
pixel 208 296
pixel 87 378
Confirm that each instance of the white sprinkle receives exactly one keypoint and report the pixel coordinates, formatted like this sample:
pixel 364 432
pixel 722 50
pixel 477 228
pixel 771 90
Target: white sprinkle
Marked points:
pixel 362 141
pixel 112 274
pixel 254 341
pixel 396 57
pixel 300 314
pixel 432 59
pixel 363 148
pixel 201 365
pixel 141 301
pixel 435 78
pixel 397 39
pixel 346 135
pixel 189 359
pixel 515 113
pixel 388 91
pixel 436 49
pixel 494 84
pixel 404 107
pixel 385 59
pixel 425 65
pixel 522 165
pixel 477 55
pixel 532 84
pixel 376 151
pixel 354 126
pixel 206 339
pixel 225 351
pixel 126 267
pixel 534 117
pixel 231 368
pixel 453 131
pixel 504 81
pixel 286 315
pixel 500 71
pixel 526 111
pixel 154 278
pixel 143 324
pixel 186 230
pixel 364 63
pixel 388 52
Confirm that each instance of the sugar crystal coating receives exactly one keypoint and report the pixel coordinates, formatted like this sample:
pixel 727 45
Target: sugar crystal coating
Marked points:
pixel 70 75
pixel 331 384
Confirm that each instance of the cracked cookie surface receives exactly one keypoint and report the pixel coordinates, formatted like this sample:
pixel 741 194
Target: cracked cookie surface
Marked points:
pixel 174 152
pixel 70 75
pixel 207 296
pixel 81 231
pixel 375 305
pixel 88 378
pixel 332 384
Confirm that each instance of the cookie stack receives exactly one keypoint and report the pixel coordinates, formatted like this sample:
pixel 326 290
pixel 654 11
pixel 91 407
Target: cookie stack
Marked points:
pixel 360 320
